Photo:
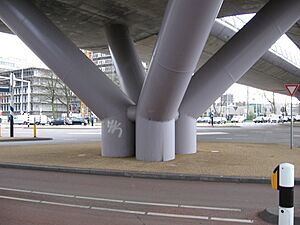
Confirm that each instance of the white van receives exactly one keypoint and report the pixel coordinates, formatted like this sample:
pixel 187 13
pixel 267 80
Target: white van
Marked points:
pixel 38 119
pixel 20 119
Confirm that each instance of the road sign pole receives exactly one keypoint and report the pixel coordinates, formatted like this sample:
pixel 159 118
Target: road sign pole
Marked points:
pixel 291 88
pixel 291 129
pixel 11 116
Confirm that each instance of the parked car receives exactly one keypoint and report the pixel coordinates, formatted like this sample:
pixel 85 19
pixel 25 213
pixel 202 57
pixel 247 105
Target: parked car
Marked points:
pixel 238 119
pixel 259 119
pixel 58 121
pixel 276 119
pixel 205 119
pixel 286 119
pixel 219 120
pixel 78 121
pixel 3 119
pixel 267 119
pixel 297 118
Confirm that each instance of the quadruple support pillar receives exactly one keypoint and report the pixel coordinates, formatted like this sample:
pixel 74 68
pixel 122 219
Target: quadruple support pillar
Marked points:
pixel 185 29
pixel 232 61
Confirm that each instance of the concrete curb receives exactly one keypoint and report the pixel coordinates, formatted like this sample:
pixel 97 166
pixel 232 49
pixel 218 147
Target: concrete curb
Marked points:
pixel 138 174
pixel 24 139
pixel 270 215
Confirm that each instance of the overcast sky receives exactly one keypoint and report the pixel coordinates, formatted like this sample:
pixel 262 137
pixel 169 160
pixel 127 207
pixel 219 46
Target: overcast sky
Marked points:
pixel 12 46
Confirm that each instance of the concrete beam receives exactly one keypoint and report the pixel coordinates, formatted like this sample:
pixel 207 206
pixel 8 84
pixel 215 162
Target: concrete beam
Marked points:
pixel 183 34
pixel 231 62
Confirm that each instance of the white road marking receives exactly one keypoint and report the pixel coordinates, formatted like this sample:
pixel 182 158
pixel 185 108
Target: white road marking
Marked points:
pixel 13 189
pixel 64 204
pixel 20 199
pixel 119 210
pixel 70 139
pixel 211 133
pixel 231 220
pixel 152 203
pixel 215 151
pixel 99 199
pixel 178 216
pixel 82 133
pixel 121 201
pixel 223 138
pixel 210 208
pixel 52 194
pixel 183 216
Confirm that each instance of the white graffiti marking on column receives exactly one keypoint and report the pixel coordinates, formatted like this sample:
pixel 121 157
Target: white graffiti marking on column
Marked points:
pixel 114 125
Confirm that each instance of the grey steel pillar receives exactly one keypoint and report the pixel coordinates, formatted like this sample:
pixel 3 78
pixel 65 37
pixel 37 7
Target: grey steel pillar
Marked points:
pixel 186 134
pixel 129 67
pixel 91 85
pixel 183 34
pixel 297 95
pixel 116 132
pixel 231 62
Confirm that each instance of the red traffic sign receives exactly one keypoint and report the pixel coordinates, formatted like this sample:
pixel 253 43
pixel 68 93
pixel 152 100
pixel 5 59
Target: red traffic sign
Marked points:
pixel 292 88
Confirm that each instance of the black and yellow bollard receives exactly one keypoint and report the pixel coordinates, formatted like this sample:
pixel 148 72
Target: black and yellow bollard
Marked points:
pixel 34 130
pixel 283 181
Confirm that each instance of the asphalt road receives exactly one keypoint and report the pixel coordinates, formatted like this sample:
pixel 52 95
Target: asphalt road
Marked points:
pixel 250 133
pixel 64 134
pixel 253 133
pixel 35 197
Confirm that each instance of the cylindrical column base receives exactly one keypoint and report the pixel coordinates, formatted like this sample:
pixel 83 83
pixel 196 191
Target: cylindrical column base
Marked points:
pixel 117 136
pixel 186 135
pixel 155 140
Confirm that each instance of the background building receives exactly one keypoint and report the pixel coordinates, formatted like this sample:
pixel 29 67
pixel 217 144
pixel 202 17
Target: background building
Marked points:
pixel 106 65
pixel 10 63
pixel 46 95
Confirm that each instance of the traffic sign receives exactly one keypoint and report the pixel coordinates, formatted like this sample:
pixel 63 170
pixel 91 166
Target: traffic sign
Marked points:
pixel 292 88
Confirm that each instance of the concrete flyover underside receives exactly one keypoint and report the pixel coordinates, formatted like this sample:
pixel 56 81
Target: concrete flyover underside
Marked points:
pixel 84 22
pixel 140 119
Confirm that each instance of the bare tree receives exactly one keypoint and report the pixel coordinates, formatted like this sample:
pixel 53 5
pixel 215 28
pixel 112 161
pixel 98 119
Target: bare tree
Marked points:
pixel 65 96
pixel 57 92
pixel 217 112
pixel 51 92
pixel 272 102
pixel 222 103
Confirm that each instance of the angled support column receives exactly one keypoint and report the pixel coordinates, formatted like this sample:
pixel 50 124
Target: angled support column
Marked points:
pixel 91 85
pixel 297 95
pixel 183 34
pixel 231 62
pixel 129 67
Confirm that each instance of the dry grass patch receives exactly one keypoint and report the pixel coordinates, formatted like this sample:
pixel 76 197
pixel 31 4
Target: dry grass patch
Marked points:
pixel 227 159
